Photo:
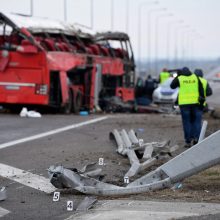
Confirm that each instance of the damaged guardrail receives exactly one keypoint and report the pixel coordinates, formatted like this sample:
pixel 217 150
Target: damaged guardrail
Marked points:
pixel 128 144
pixel 192 161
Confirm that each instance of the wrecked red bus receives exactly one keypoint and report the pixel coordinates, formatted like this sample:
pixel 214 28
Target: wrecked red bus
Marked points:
pixel 51 64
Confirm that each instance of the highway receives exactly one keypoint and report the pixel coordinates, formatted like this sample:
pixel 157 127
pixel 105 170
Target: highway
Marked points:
pixel 28 146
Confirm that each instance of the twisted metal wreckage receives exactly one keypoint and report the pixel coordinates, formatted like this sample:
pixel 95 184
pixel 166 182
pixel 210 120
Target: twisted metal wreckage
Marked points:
pixel 201 156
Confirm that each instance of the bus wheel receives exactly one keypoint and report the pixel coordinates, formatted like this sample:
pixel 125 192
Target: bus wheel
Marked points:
pixel 77 103
pixel 67 109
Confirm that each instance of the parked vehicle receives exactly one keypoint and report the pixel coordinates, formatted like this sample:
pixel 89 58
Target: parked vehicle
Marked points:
pixel 163 94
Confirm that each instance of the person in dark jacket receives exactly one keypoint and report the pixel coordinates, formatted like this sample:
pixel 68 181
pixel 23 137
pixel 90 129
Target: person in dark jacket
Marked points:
pixel 150 85
pixel 190 108
pixel 205 84
pixel 207 90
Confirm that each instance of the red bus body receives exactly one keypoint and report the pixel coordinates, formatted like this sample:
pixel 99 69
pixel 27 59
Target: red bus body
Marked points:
pixel 54 68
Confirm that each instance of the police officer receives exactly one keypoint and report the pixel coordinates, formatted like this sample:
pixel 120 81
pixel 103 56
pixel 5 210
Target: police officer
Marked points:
pixel 164 75
pixel 206 87
pixel 188 101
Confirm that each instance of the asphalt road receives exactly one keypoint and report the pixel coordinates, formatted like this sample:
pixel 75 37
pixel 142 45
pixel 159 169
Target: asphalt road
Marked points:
pixel 33 144
pixel 36 156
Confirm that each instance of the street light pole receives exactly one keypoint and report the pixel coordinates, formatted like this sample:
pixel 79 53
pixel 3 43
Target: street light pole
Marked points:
pixel 91 14
pixel 127 16
pixel 176 35
pixel 184 44
pixel 112 15
pixel 168 39
pixel 32 7
pixel 141 5
pixel 194 38
pixel 156 38
pixel 149 34
pixel 65 10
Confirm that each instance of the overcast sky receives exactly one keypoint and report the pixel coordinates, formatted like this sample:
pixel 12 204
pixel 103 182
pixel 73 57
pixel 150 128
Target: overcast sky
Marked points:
pixel 199 16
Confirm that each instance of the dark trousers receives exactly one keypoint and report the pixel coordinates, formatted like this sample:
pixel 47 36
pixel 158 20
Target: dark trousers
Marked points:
pixel 192 122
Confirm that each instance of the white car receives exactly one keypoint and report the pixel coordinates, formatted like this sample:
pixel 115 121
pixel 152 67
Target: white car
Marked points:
pixel 163 94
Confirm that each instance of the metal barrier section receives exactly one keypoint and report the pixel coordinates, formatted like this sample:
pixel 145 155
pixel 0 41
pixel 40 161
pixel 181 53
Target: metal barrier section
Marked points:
pixel 201 156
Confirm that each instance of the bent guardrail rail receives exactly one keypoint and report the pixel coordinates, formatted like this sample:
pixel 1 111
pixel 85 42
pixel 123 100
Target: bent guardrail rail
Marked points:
pixel 129 145
pixel 192 161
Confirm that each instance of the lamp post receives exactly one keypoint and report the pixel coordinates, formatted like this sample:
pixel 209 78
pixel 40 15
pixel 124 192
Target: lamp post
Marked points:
pixel 112 15
pixel 127 16
pixel 65 10
pixel 176 41
pixel 91 14
pixel 32 7
pixel 140 6
pixel 185 44
pixel 170 25
pixel 149 33
pixel 156 37
pixel 193 39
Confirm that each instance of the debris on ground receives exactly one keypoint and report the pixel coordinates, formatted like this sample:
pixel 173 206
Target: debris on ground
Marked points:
pixel 115 104
pixel 3 194
pixel 87 203
pixel 215 113
pixel 201 156
pixel 128 144
pixel 29 114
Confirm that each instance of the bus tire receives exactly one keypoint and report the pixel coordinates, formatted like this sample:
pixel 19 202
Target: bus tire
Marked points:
pixel 77 103
pixel 67 109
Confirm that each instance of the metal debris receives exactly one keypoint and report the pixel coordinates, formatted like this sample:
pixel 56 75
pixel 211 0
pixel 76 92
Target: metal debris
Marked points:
pixel 91 170
pixel 203 130
pixel 128 144
pixel 201 156
pixel 3 194
pixel 86 204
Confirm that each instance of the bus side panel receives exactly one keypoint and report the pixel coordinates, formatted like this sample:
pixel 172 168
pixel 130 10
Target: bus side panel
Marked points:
pixel 23 78
pixel 19 86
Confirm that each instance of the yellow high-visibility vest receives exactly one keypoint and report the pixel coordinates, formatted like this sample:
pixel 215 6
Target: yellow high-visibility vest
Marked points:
pixel 204 84
pixel 164 76
pixel 189 90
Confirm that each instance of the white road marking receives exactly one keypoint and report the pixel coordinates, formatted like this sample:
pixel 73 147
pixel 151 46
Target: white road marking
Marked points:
pixel 130 215
pixel 3 212
pixel 90 218
pixel 52 132
pixel 20 187
pixel 94 217
pixel 11 183
pixel 26 178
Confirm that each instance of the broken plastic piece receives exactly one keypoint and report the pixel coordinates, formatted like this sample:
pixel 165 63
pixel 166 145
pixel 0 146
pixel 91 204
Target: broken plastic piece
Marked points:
pixel 177 186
